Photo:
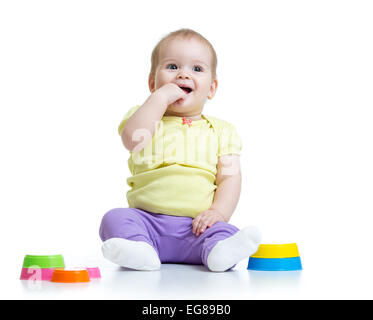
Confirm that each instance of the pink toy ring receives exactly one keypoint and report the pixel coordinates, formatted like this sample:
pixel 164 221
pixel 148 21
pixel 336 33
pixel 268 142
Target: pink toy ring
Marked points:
pixel 45 274
pixel 36 274
pixel 94 272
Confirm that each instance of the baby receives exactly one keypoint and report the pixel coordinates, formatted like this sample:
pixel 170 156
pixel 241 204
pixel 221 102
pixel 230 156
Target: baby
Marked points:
pixel 185 167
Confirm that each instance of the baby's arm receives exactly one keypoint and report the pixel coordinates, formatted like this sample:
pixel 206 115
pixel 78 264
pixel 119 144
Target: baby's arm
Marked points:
pixel 227 194
pixel 142 123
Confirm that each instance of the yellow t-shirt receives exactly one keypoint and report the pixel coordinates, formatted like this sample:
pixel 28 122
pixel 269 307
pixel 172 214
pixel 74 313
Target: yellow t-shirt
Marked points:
pixel 175 174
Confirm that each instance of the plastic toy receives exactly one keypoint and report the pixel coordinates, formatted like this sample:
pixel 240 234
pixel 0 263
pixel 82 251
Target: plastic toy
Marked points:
pixel 40 267
pixel 276 257
pixel 48 267
pixel 94 273
pixel 70 275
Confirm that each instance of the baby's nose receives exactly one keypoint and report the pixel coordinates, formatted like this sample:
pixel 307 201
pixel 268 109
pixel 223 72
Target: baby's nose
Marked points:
pixel 183 74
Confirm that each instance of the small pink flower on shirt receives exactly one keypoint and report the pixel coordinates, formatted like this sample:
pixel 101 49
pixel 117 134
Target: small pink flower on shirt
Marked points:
pixel 187 121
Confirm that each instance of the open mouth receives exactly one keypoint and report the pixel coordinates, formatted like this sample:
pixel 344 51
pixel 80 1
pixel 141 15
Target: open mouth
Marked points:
pixel 186 89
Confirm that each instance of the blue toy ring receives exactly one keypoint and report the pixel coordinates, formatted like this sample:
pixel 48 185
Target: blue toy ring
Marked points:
pixel 275 264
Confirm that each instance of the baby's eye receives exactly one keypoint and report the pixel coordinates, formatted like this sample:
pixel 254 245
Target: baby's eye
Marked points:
pixel 172 66
pixel 197 68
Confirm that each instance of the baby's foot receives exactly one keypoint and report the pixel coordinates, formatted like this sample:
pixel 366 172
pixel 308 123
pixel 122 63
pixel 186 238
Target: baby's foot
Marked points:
pixel 137 255
pixel 226 253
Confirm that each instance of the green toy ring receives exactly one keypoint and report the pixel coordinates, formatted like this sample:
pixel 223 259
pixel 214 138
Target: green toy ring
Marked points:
pixel 45 261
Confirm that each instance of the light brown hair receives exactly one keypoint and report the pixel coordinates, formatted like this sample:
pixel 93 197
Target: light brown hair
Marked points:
pixel 186 34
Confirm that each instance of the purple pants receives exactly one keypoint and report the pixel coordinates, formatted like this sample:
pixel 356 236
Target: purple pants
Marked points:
pixel 171 236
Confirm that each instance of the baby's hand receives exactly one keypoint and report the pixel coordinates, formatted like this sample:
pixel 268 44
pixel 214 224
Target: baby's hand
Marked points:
pixel 205 220
pixel 171 93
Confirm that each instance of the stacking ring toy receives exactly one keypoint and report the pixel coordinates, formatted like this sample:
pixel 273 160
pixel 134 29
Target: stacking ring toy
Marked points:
pixel 52 261
pixel 94 272
pixel 276 257
pixel 70 275
pixel 275 264
pixel 40 267
pixel 288 250
pixel 52 268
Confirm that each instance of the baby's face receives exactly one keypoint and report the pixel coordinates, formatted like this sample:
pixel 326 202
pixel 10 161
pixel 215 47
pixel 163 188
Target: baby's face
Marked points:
pixel 187 63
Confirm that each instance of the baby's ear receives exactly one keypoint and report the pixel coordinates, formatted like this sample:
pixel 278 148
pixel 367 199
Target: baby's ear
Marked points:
pixel 151 83
pixel 213 88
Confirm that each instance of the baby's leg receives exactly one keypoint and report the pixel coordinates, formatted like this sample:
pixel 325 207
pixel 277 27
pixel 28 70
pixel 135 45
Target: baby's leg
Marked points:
pixel 127 240
pixel 225 246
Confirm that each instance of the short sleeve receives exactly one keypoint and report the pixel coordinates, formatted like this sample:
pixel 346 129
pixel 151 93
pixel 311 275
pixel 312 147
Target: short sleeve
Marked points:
pixel 229 141
pixel 126 117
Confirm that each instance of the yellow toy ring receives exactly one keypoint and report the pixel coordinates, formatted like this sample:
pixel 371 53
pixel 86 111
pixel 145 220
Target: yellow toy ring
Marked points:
pixel 288 250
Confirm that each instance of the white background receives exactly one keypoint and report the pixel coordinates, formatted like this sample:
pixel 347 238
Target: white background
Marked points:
pixel 295 78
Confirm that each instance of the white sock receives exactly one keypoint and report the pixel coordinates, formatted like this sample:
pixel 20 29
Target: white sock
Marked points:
pixel 226 253
pixel 131 254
